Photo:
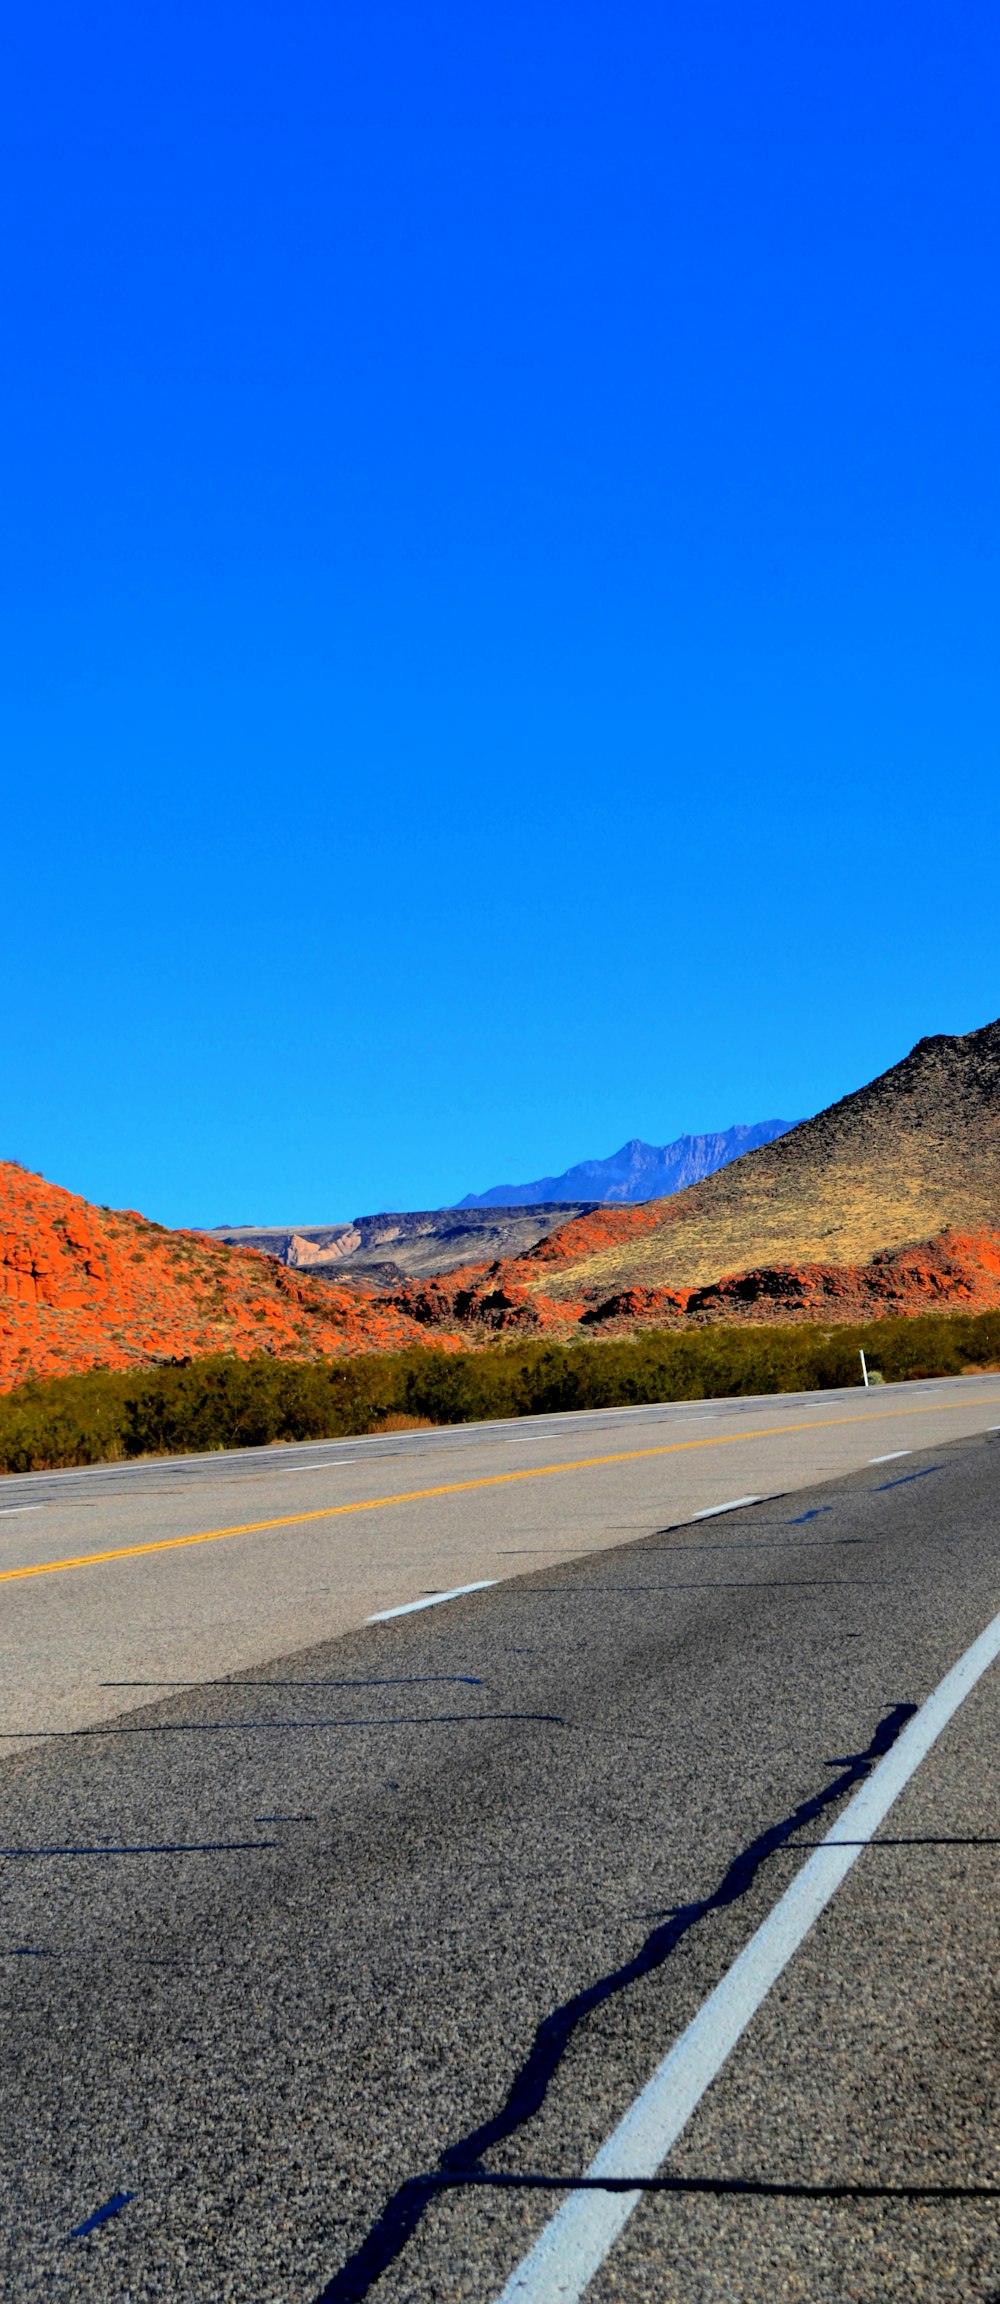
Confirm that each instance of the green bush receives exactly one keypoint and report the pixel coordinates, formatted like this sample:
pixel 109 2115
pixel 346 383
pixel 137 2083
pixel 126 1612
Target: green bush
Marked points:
pixel 227 1403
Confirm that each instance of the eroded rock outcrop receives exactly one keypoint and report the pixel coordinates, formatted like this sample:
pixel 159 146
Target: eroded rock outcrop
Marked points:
pixel 957 1271
pixel 85 1287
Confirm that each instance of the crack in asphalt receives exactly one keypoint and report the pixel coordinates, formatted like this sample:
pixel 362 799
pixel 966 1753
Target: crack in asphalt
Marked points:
pixel 239 1727
pixel 461 2162
pixel 757 2187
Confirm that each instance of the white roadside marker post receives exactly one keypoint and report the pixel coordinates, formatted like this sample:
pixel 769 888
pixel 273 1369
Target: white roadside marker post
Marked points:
pixel 864 1369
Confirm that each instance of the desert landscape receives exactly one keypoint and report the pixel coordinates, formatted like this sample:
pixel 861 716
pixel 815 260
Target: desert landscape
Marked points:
pixel 500 1155
pixel 888 1201
pixel 886 1204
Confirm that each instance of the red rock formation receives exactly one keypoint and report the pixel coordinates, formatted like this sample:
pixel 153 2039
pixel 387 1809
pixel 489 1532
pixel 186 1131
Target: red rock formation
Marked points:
pixel 84 1287
pixel 477 1297
pixel 587 1235
pixel 954 1272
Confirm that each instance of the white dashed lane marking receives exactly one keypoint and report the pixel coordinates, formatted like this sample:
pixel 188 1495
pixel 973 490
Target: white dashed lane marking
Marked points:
pixel 734 1505
pixel 431 1600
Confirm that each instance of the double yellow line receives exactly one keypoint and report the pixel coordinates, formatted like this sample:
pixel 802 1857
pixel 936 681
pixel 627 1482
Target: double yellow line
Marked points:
pixel 459 1488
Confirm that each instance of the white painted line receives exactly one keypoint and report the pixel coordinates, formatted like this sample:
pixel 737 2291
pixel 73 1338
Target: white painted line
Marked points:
pixel 733 1505
pixel 334 1465
pixel 433 1600
pixel 891 1457
pixel 7 1511
pixel 574 2244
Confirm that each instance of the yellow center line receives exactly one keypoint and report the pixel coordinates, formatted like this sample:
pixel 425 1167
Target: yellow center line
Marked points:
pixel 462 1487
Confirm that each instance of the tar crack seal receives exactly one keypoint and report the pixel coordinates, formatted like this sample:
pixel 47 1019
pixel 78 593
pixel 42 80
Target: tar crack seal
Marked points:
pixel 385 2242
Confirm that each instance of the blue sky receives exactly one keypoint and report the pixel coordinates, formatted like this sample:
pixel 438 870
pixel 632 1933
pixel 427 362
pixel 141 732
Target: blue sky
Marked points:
pixel 498 636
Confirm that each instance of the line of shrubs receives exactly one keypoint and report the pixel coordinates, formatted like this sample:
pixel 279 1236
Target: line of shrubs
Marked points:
pixel 227 1403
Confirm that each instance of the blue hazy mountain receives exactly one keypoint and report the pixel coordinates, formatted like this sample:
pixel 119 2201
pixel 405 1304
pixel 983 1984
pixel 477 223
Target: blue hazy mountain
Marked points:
pixel 638 1172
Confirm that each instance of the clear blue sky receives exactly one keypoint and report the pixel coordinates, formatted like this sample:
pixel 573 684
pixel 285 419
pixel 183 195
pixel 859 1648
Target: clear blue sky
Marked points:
pixel 499 617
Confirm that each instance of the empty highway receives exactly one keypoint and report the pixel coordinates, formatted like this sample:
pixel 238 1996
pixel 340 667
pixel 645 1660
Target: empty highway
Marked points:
pixel 336 1952
pixel 121 1576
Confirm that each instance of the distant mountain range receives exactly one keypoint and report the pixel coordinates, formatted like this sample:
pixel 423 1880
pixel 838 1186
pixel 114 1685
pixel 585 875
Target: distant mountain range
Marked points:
pixel 384 1249
pixel 639 1171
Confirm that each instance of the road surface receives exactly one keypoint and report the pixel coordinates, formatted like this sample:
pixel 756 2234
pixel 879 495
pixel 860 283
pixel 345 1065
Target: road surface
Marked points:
pixel 205 1566
pixel 326 1981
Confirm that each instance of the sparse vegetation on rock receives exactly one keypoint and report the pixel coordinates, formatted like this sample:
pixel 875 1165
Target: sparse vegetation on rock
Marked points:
pixel 84 1287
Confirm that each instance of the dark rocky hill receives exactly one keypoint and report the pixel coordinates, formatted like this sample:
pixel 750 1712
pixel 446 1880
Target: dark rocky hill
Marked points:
pixel 911 1155
pixel 888 1201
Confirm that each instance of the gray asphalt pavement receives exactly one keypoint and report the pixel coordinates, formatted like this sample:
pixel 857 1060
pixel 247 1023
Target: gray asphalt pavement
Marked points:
pixel 203 1566
pixel 272 1947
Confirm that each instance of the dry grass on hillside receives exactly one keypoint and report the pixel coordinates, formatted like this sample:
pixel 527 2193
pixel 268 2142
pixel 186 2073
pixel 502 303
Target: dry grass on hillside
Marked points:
pixel 914 1153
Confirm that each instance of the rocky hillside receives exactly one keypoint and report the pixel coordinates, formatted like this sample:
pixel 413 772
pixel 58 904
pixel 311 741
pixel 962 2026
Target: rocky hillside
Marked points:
pixel 887 1202
pixel 383 1251
pixel 84 1287
pixel 914 1154
pixel 889 1199
pixel 955 1272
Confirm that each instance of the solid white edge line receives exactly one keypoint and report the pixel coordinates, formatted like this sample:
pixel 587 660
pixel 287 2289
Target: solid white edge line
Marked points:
pixel 891 1457
pixel 433 1600
pixel 733 1505
pixel 573 2246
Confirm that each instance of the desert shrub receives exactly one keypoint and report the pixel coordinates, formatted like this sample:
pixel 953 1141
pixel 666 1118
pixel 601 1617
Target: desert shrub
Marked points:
pixel 221 1402
pixel 70 1420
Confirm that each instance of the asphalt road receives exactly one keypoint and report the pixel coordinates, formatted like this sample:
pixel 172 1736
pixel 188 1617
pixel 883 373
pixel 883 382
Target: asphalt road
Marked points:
pixel 204 1566
pixel 274 1950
